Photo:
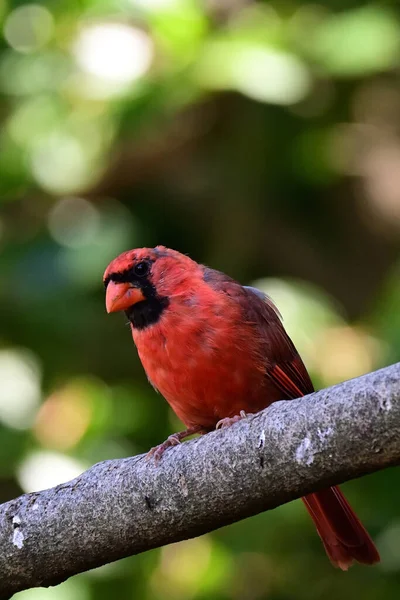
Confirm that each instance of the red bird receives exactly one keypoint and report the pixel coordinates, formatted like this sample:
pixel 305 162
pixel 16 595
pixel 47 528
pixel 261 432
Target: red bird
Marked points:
pixel 217 350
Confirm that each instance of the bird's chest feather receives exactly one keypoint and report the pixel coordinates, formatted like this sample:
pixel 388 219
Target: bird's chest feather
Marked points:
pixel 206 367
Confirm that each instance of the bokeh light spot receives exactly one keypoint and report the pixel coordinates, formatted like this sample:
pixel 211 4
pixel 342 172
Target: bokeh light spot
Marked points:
pixel 182 567
pixel 115 52
pixel 345 352
pixel 20 377
pixel 159 5
pixel 262 73
pixel 64 417
pixel 29 27
pixel 358 41
pixel 271 76
pixel 74 222
pixel 61 164
pixel 41 470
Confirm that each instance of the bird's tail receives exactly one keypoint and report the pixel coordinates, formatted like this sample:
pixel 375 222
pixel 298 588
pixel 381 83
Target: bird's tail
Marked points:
pixel 344 537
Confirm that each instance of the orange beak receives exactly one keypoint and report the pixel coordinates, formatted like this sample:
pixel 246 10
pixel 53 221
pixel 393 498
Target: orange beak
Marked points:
pixel 120 296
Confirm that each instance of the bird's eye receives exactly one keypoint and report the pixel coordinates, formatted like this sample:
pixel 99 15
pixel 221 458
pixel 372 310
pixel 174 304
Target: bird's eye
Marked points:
pixel 141 269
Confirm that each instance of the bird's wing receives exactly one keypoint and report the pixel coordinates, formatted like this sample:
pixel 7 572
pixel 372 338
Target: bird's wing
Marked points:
pixel 283 365
pixel 285 368
pixel 263 296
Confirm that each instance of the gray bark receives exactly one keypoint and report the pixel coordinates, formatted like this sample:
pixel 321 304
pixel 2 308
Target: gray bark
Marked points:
pixel 123 507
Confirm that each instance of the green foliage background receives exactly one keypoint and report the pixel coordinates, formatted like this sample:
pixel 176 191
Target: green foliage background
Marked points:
pixel 262 138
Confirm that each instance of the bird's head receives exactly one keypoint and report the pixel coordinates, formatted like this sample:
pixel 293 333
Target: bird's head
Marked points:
pixel 142 282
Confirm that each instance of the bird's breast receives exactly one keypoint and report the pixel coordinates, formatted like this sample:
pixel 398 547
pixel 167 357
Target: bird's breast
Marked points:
pixel 206 369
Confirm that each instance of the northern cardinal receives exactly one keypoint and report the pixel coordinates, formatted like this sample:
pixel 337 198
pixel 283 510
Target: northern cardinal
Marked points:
pixel 217 350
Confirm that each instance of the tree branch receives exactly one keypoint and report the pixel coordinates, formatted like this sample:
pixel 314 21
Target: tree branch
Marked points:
pixel 123 507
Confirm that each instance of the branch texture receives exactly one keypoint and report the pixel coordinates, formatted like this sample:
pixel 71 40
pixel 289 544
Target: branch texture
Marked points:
pixel 123 507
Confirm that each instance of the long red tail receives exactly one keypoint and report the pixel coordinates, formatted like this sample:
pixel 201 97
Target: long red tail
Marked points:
pixel 344 537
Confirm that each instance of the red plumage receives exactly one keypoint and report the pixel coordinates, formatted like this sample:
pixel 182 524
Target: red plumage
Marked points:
pixel 214 348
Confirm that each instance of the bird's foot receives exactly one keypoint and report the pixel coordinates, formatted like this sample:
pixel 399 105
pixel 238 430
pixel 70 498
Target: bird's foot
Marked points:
pixel 158 451
pixel 228 421
pixel 172 440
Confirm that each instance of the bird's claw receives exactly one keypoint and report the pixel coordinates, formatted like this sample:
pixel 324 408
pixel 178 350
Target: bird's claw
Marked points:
pixel 158 451
pixel 228 421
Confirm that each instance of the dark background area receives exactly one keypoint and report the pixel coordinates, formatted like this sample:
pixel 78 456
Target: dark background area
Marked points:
pixel 261 138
